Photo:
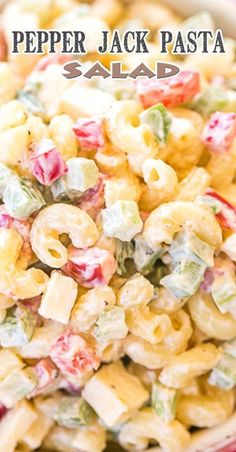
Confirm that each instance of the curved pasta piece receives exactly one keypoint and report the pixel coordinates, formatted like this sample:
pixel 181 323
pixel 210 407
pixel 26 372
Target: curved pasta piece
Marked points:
pixel 152 356
pixel 181 332
pixel 125 131
pixel 192 363
pixel 161 182
pixel 209 319
pixel 156 356
pixel 15 281
pixel 146 425
pixel 58 219
pixel 169 218
pixel 184 147
pixel 205 410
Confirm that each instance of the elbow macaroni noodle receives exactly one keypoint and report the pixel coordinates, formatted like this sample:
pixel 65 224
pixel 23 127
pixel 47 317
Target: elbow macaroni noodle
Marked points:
pixel 117 240
pixel 58 219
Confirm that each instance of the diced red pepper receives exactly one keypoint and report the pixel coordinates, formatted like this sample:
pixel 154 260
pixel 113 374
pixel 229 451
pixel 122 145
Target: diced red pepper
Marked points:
pixel 208 280
pixel 170 92
pixel 90 267
pixel 218 80
pixel 227 215
pixel 230 448
pixel 47 374
pixel 46 162
pixel 71 388
pixel 47 60
pixel 73 355
pixel 3 410
pixel 3 46
pixel 33 304
pixel 90 133
pixel 92 201
pixel 219 132
pixel 6 220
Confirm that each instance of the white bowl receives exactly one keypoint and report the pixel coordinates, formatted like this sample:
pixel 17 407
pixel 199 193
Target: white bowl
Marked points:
pixel 223 12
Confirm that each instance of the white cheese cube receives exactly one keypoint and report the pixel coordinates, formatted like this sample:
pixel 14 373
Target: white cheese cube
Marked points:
pixel 59 298
pixel 114 394
pixel 15 424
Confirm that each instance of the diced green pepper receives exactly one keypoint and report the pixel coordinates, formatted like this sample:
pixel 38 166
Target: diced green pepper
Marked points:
pixel 159 119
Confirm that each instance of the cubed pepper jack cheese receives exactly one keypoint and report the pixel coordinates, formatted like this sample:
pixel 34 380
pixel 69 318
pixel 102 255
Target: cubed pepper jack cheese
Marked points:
pixel 59 298
pixel 13 144
pixel 136 292
pixel 90 439
pixel 16 386
pixel 79 101
pixel 229 247
pixel 8 362
pixel 37 432
pixel 8 83
pixel 12 114
pixel 42 340
pixel 114 394
pixel 15 425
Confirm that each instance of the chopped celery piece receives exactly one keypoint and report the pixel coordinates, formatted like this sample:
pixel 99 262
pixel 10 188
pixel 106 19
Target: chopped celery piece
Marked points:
pixel 144 256
pixel 223 291
pixel 17 328
pixel 124 251
pixel 159 119
pixel 111 325
pixel 163 401
pixel 199 21
pixel 82 174
pixel 73 412
pixel 5 175
pixel 187 245
pixel 60 191
pixel 185 280
pixel 16 385
pixel 122 220
pixel 21 198
pixel 214 99
pixel 160 270
pixel 230 347
pixel 28 97
pixel 224 374
pixel 211 202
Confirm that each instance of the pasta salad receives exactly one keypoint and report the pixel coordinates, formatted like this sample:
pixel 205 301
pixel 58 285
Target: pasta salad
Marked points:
pixel 117 241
